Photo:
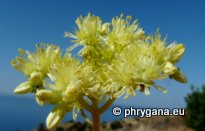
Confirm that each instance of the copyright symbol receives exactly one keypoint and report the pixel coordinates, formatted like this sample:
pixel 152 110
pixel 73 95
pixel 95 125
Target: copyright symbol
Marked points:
pixel 116 111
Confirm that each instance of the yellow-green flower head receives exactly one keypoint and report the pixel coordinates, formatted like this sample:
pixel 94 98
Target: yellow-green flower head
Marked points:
pixel 35 66
pixel 40 61
pixel 90 33
pixel 172 53
pixel 63 73
pixel 73 79
pixel 157 47
pixel 140 64
pixel 123 32
pixel 89 30
pixel 133 68
pixel 90 81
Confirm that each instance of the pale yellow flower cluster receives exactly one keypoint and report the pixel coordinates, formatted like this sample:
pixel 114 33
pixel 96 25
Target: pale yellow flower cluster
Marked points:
pixel 35 66
pixel 117 59
pixel 128 59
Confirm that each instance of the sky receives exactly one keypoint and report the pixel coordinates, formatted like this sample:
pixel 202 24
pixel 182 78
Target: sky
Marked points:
pixel 25 23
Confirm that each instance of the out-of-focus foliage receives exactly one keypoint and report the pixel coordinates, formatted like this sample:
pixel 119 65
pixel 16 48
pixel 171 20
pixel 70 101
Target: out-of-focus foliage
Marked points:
pixel 195 110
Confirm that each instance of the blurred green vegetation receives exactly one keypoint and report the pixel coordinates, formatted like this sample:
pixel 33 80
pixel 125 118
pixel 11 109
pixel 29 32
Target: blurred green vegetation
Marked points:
pixel 195 109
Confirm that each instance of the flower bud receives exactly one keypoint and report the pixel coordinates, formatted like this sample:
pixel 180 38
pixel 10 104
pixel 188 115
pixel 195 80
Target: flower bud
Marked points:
pixel 23 88
pixel 36 78
pixel 48 96
pixel 176 51
pixel 55 117
pixel 179 76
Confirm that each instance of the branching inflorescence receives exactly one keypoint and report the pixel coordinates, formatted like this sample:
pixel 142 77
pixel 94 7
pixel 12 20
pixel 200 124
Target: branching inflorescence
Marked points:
pixel 117 60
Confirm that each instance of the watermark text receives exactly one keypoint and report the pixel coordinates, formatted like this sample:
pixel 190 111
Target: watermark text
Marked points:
pixel 117 111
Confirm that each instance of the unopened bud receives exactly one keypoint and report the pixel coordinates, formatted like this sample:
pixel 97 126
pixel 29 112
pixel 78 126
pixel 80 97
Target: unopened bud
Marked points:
pixel 55 117
pixel 179 76
pixel 36 78
pixel 23 88
pixel 48 96
pixel 177 52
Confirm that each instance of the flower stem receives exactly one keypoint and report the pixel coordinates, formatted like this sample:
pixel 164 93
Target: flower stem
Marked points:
pixel 96 120
pixel 106 106
pixel 96 113
pixel 85 105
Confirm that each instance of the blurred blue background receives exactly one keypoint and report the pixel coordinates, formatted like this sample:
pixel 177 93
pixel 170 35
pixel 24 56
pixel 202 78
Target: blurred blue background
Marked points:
pixel 25 23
